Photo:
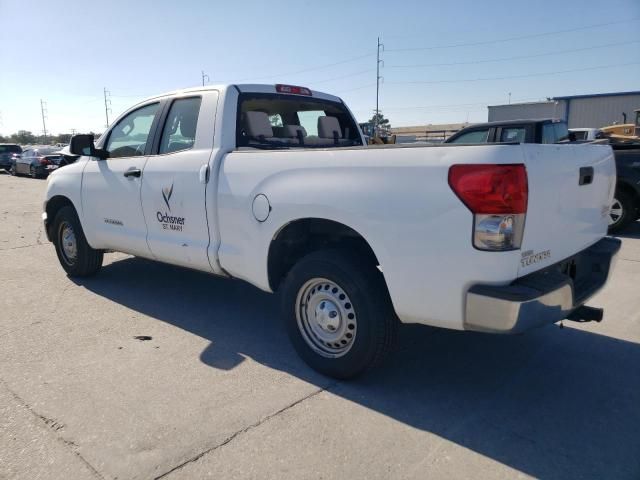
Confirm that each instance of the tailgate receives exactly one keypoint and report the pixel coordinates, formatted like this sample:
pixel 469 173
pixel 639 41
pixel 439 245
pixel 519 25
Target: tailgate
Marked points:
pixel 563 216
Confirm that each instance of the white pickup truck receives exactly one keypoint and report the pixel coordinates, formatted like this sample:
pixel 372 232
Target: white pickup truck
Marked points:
pixel 274 185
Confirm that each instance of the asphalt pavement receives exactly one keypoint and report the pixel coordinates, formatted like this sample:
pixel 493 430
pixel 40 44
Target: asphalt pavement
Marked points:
pixel 152 371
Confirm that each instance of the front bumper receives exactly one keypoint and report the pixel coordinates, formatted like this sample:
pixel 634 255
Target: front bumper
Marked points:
pixel 542 297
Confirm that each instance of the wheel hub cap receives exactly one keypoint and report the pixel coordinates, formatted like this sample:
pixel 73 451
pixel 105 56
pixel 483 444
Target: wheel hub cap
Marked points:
pixel 69 243
pixel 326 318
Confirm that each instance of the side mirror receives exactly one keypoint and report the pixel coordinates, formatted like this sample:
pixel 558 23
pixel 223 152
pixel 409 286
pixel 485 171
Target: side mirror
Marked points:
pixel 83 145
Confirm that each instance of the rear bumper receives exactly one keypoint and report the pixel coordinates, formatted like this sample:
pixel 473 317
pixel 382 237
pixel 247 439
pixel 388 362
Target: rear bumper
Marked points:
pixel 542 297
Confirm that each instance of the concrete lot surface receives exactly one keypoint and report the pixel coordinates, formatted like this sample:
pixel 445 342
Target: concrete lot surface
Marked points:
pixel 218 392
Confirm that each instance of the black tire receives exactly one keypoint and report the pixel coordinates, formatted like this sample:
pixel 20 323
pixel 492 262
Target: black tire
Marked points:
pixel 32 172
pixel 363 285
pixel 12 170
pixel 87 261
pixel 628 212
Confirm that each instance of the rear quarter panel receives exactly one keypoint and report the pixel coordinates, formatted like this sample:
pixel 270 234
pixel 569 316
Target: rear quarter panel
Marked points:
pixel 398 199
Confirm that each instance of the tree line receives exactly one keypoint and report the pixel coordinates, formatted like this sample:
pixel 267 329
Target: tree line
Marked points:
pixel 25 137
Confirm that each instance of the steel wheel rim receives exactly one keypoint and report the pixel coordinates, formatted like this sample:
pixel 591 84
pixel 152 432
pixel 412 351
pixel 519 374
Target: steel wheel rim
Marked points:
pixel 615 212
pixel 68 243
pixel 326 317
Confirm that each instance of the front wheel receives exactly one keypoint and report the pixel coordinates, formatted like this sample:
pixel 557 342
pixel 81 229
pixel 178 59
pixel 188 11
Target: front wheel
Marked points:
pixel 338 313
pixel 74 253
pixel 12 170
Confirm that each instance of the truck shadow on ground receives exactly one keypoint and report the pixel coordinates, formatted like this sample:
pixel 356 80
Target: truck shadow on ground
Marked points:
pixel 632 231
pixel 555 403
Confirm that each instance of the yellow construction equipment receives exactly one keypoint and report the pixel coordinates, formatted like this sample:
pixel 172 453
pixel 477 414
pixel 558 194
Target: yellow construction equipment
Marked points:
pixel 625 132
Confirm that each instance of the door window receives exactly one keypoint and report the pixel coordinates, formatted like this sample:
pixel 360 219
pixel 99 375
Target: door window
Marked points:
pixel 129 137
pixel 477 136
pixel 179 132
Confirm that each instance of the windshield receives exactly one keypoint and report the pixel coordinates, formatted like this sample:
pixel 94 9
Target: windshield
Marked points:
pixel 10 149
pixel 272 121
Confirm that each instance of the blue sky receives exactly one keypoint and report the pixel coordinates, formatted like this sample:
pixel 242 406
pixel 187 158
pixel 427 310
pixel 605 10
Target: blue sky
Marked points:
pixel 65 52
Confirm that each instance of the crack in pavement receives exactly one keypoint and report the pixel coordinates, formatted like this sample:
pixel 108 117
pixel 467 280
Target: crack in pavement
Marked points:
pixel 630 259
pixel 246 429
pixel 22 246
pixel 55 426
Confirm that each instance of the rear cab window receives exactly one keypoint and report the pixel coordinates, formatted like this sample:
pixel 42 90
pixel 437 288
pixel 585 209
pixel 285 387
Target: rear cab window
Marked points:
pixel 513 134
pixel 475 136
pixel 281 121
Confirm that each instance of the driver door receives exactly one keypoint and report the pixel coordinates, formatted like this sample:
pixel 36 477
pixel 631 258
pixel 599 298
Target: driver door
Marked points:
pixel 113 217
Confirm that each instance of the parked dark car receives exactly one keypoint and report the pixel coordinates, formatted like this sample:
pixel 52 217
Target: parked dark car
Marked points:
pixel 37 162
pixel 544 130
pixel 626 203
pixel 8 151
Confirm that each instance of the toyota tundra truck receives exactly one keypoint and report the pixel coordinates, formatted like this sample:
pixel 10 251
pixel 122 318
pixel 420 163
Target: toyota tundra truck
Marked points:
pixel 274 185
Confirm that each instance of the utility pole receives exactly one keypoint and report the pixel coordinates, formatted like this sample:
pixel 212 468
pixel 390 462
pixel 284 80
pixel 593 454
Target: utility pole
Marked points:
pixel 204 75
pixel 73 132
pixel 107 104
pixel 509 98
pixel 378 77
pixel 43 110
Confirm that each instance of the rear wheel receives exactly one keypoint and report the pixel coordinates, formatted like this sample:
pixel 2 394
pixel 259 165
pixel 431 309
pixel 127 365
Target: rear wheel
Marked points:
pixel 74 253
pixel 622 211
pixel 338 313
pixel 32 172
pixel 12 170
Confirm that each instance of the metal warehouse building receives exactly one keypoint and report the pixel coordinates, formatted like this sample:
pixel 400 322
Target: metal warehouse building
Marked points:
pixel 597 110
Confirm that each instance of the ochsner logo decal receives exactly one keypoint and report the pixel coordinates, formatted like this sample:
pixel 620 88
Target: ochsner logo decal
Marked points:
pixel 169 222
pixel 166 194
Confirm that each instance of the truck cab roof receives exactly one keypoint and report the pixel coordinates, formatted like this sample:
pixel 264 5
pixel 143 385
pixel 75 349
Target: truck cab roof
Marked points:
pixel 245 88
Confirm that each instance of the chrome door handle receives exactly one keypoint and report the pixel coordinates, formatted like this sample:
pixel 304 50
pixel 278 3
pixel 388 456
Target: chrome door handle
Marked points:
pixel 133 172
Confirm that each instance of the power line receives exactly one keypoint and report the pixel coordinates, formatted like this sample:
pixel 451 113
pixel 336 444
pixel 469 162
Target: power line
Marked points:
pixel 312 69
pixel 541 74
pixel 519 57
pixel 510 39
pixel 358 88
pixel 361 72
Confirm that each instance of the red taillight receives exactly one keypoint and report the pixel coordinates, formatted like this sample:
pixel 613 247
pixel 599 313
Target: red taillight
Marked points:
pixel 44 161
pixel 293 89
pixel 491 189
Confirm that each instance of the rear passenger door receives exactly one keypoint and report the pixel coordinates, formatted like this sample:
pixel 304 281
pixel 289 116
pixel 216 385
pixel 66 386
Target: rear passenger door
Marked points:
pixel 174 181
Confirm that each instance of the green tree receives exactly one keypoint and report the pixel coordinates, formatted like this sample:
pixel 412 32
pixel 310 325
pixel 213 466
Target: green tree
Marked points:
pixel 62 138
pixel 383 123
pixel 23 137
